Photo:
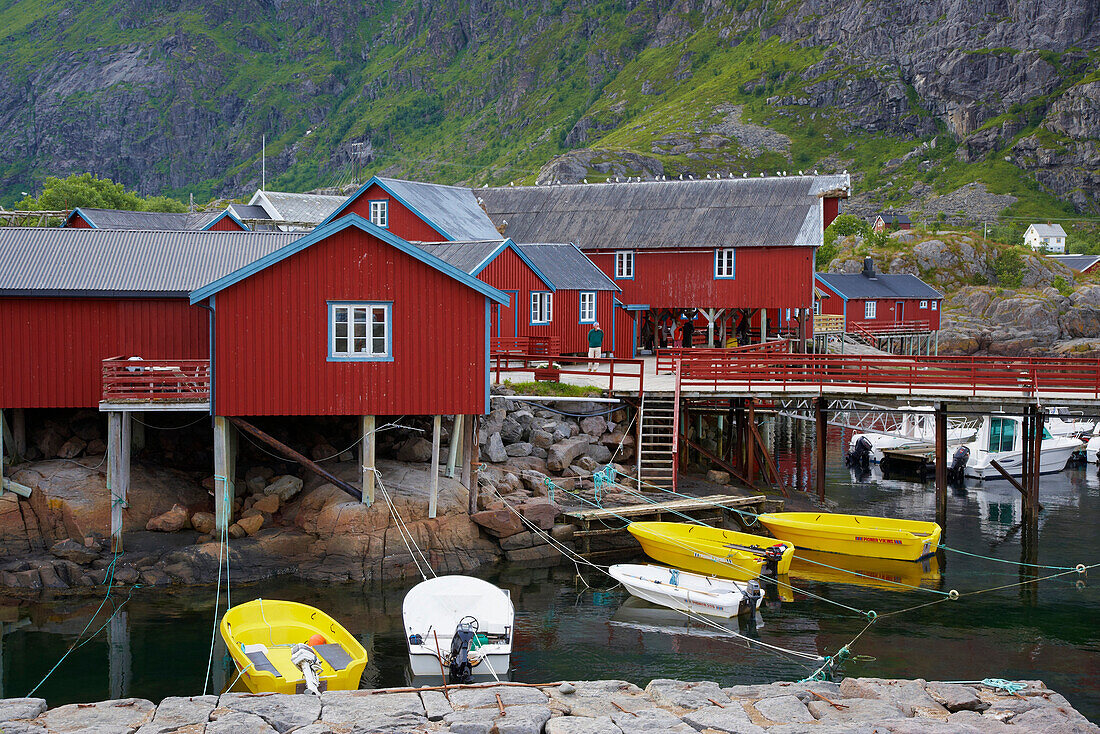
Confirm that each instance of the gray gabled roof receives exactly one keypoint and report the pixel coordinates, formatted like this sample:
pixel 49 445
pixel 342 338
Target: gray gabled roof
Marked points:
pixel 249 211
pixel 883 285
pixel 55 261
pixel 739 212
pixel 305 208
pixel 894 218
pixel 453 209
pixel 1049 230
pixel 469 257
pixel 567 267
pixel 1079 263
pixel 169 221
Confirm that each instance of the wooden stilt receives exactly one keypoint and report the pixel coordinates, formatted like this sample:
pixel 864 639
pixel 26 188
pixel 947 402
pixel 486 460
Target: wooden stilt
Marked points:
pixel 367 462
pixel 456 444
pixel 137 430
pixel 5 442
pixel 469 450
pixel 763 325
pixel 19 432
pixel 118 471
pixel 750 444
pixel 941 465
pixel 820 435
pixel 224 473
pixel 433 498
pixel 118 655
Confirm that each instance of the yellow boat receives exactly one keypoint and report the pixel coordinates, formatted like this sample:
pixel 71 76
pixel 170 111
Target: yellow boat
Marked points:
pixel 713 551
pixel 875 573
pixel 268 639
pixel 855 535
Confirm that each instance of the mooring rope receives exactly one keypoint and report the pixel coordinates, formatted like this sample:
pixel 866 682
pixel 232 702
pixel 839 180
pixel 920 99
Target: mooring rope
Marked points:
pixel 1005 560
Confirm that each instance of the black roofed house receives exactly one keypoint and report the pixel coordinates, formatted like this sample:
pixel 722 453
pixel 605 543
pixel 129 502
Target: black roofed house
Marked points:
pixel 121 219
pixel 737 251
pixel 1080 263
pixel 879 307
pixel 891 221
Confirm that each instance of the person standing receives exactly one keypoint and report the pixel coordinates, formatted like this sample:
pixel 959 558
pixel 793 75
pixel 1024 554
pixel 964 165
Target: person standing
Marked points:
pixel 595 346
pixel 689 330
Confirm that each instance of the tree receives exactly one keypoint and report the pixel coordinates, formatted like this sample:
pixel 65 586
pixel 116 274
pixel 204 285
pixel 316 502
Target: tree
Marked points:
pixel 99 193
pixel 844 225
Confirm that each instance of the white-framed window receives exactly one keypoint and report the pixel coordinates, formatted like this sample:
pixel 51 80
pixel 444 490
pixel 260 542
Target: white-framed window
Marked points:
pixel 588 307
pixel 624 265
pixel 870 308
pixel 924 304
pixel 935 305
pixel 360 331
pixel 817 307
pixel 541 307
pixel 380 213
pixel 724 263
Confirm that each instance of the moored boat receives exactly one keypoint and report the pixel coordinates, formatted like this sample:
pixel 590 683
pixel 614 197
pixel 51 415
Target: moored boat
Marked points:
pixel 458 624
pixel 1000 438
pixel 712 551
pixel 874 573
pixel 689 592
pixel 855 535
pixel 287 647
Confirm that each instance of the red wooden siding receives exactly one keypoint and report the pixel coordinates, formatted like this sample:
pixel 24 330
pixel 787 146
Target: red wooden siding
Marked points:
pixel 402 221
pixel 226 224
pixel 77 222
pixel 623 334
pixel 272 336
pixel 832 209
pixel 884 310
pixel 767 277
pixel 58 344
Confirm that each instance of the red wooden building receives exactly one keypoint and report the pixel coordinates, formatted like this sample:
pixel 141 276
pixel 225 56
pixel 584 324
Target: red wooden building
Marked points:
pixel 87 218
pixel 880 302
pixel 891 222
pixel 737 252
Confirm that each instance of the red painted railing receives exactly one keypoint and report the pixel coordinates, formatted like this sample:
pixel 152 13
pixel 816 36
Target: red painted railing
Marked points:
pixel 630 370
pixel 1009 376
pixel 545 345
pixel 156 380
pixel 872 329
pixel 667 358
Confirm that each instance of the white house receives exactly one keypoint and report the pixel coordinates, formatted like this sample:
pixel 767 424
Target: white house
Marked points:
pixel 1050 237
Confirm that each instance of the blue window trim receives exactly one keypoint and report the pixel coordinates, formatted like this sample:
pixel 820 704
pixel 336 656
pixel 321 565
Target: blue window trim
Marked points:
pixel 530 297
pixel 331 305
pixel 370 202
pixel 717 254
pixel 615 265
pixel 580 309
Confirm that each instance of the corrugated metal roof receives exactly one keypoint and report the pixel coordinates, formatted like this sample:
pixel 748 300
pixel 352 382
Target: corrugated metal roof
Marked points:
pixel 310 208
pixel 894 218
pixel 454 209
pixel 249 211
pixel 39 259
pixel 883 285
pixel 746 212
pixel 466 256
pixel 168 221
pixel 567 267
pixel 1049 230
pixel 1076 262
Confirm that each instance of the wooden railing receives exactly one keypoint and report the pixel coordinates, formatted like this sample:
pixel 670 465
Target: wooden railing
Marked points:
pixel 544 345
pixel 828 323
pixel 667 358
pixel 630 370
pixel 156 380
pixel 898 327
pixel 1008 376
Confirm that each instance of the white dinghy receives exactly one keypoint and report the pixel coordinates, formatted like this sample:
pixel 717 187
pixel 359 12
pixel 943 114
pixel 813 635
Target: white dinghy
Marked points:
pixel 458 625
pixel 689 592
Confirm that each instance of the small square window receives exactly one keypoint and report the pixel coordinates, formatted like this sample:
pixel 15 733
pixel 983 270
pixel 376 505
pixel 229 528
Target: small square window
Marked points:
pixel 935 305
pixel 924 304
pixel 869 309
pixel 588 307
pixel 624 264
pixel 380 213
pixel 541 306
pixel 724 263
pixel 360 331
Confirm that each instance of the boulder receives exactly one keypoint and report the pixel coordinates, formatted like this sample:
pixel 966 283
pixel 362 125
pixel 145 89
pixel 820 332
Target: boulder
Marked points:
pixel 561 454
pixel 542 439
pixel 268 504
pixel 494 449
pixel 784 710
pixel 204 522
pixel 251 525
pixel 716 476
pixel 171 521
pixel 594 425
pixel 520 448
pixel 282 713
pixel 322 451
pixel 105 716
pixel 71 448
pixel 954 697
pixel 416 449
pixel 284 487
pixel 541 512
pixel 501 523
pixel 236 532
pixel 599 453
pixel 12 709
pixel 70 550
pixel 511 431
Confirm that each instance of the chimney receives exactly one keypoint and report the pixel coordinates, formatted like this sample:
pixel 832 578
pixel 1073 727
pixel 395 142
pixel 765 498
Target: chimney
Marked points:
pixel 868 268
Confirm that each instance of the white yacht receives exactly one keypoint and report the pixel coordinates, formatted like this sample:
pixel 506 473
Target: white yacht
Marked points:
pixel 1000 439
pixel 1060 422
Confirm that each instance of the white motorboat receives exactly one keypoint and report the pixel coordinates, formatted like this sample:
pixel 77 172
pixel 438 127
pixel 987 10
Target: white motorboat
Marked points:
pixel 458 624
pixel 1000 439
pixel 1092 448
pixel 1060 422
pixel 689 592
pixel 916 430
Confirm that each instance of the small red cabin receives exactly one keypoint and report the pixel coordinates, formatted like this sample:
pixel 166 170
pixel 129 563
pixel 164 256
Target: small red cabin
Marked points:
pixel 879 302
pixel 87 218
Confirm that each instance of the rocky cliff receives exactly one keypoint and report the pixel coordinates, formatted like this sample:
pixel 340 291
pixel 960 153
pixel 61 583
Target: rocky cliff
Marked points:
pixel 917 99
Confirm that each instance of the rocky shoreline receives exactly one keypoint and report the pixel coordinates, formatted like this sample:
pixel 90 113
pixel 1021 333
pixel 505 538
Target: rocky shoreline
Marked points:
pixel 854 706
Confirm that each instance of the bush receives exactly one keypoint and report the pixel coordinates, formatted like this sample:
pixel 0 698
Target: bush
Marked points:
pixel 1062 285
pixel 1008 268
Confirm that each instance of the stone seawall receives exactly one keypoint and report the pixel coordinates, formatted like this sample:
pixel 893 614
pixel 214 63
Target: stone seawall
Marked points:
pixel 855 706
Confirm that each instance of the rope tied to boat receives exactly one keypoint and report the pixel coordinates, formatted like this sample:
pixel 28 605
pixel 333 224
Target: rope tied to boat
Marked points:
pixel 1003 685
pixel 1079 568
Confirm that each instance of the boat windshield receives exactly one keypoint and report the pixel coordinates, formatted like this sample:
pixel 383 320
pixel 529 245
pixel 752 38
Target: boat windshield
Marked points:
pixel 1002 434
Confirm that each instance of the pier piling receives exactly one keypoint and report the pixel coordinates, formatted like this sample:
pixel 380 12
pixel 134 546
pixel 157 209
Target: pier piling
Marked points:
pixel 367 458
pixel 821 425
pixel 118 471
pixel 941 465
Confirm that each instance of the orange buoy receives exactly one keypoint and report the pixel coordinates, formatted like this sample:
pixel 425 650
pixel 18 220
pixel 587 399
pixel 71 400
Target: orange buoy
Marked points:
pixel 317 639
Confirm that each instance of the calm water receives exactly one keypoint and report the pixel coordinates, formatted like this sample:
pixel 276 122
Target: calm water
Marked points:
pixel 566 629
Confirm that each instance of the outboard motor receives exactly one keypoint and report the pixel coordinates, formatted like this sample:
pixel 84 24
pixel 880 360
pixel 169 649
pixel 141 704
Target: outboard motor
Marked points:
pixel 860 455
pixel 772 556
pixel 750 600
pixel 958 464
pixel 461 671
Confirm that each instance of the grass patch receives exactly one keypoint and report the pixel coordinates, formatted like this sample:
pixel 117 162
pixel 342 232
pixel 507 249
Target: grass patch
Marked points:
pixel 554 389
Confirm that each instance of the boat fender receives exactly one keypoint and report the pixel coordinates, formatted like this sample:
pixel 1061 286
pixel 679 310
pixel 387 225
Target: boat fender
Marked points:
pixel 315 640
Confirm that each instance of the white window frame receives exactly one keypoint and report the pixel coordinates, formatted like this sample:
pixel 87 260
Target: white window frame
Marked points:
pixel 924 304
pixel 341 348
pixel 935 305
pixel 624 265
pixel 817 307
pixel 870 309
pixel 587 311
pixel 725 263
pixel 380 213
pixel 542 307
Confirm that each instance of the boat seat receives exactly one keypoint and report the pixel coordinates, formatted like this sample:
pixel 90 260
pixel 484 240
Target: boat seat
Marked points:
pixel 334 654
pixel 260 662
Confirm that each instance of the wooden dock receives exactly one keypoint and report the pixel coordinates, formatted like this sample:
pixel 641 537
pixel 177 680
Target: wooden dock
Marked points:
pixel 611 522
pixel 920 462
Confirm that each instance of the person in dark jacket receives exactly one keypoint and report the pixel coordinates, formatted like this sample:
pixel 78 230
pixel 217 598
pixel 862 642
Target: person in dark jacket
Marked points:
pixel 689 330
pixel 595 346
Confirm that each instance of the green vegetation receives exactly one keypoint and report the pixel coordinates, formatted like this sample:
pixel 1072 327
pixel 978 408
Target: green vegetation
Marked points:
pixel 844 225
pixel 99 193
pixel 553 389
pixel 1008 268
pixel 1063 286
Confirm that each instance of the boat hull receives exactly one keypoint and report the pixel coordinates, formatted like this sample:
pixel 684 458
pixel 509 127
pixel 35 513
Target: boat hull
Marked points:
pixel 723 600
pixel 873 573
pixel 707 550
pixel 1052 459
pixel 424 662
pixel 855 535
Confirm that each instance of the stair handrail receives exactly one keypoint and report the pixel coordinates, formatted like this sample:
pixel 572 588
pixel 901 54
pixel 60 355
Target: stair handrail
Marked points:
pixel 676 427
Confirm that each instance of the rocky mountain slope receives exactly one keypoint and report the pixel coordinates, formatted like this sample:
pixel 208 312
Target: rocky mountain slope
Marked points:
pixel 917 99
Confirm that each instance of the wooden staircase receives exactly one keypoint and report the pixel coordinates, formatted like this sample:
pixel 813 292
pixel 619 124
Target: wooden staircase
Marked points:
pixel 656 454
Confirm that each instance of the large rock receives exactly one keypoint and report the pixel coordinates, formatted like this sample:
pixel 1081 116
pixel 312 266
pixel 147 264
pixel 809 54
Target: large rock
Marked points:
pixel 120 716
pixel 204 522
pixel 224 721
pixel 594 425
pixel 252 524
pixel 729 718
pixel 416 449
pixel 511 431
pixel 501 523
pixel 21 708
pixel 391 712
pixel 650 721
pixel 954 697
pixel 71 448
pixel 520 448
pixel 541 512
pixel 70 550
pixel 171 521
pixel 284 487
pixel 181 715
pixel 281 712
pixel 679 694
pixel 578 725
pixel 494 449
pixel 561 454
pixel 784 710
pixel 268 504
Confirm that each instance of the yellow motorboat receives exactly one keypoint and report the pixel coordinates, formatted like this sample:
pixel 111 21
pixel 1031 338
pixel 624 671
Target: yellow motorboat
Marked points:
pixel 875 573
pixel 712 551
pixel 287 647
pixel 855 535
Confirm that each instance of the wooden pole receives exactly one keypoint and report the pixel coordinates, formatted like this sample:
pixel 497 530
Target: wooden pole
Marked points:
pixel 941 465
pixel 470 455
pixel 223 473
pixel 1037 421
pixel 118 655
pixel 19 432
pixel 456 444
pixel 820 434
pixel 750 449
pixel 118 471
pixel 367 463
pixel 4 443
pixel 763 325
pixel 433 497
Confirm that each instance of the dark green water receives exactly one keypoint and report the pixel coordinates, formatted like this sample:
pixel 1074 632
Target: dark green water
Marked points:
pixel 565 630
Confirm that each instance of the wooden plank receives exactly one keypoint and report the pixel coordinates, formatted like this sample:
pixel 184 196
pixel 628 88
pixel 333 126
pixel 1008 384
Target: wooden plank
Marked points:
pixel 223 479
pixel 702 503
pixel 712 519
pixel 456 444
pixel 118 471
pixel 10 485
pixel 367 462
pixel 433 497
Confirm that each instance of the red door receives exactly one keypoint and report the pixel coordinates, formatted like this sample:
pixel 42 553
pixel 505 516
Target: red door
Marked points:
pixel 899 312
pixel 505 319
